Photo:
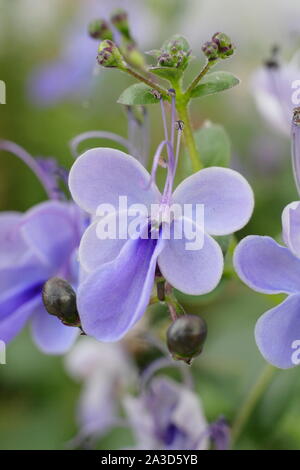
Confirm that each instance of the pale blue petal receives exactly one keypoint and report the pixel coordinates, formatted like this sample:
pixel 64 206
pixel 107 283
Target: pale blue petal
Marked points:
pixel 266 266
pixel 12 324
pixel 114 297
pixel 101 175
pixel 49 334
pixel 51 232
pixel 95 251
pixel 277 333
pixel 191 271
pixel 291 227
pixel 226 195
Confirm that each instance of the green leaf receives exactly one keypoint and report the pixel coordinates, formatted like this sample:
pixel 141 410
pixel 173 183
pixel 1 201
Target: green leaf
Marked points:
pixel 139 93
pixel 213 83
pixel 168 73
pixel 213 145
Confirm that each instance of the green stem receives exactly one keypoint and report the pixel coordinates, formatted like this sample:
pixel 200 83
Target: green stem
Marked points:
pixel 150 83
pixel 154 300
pixel 183 114
pixel 251 401
pixel 174 306
pixel 197 79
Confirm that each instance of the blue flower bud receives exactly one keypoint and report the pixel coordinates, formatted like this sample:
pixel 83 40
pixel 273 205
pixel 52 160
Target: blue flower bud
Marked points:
pixel 99 29
pixel 186 336
pixel 59 300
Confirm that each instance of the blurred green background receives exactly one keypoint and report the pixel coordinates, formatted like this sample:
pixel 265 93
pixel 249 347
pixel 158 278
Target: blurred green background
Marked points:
pixel 37 398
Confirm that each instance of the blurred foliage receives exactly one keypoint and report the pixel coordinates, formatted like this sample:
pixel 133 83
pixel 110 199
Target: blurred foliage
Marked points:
pixel 37 399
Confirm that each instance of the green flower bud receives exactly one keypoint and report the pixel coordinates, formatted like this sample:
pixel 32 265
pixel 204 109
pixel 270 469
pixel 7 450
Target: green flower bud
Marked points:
pixel 224 43
pixel 109 55
pixel 210 50
pixel 186 336
pixel 60 300
pixel 176 43
pixel 175 52
pixel 120 20
pixel 166 60
pixel 99 29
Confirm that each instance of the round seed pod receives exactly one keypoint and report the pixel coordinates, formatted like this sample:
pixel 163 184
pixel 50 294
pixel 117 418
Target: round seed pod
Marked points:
pixel 59 299
pixel 186 336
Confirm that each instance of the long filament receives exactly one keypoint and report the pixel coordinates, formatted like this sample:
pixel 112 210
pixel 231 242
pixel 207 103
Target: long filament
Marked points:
pixel 100 135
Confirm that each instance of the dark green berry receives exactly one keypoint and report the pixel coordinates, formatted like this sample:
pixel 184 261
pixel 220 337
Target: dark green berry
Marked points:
pixel 60 300
pixel 186 336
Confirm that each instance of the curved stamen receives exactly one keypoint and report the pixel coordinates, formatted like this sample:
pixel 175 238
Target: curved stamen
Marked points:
pixel 138 133
pixel 179 134
pixel 100 135
pixel 172 170
pixel 173 117
pixel 156 159
pixel 163 113
pixel 161 363
pixel 37 169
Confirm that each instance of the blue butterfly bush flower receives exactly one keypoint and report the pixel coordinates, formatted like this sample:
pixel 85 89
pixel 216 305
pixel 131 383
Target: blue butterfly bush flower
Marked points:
pixel 163 414
pixel 119 272
pixel 268 267
pixel 167 415
pixel 35 246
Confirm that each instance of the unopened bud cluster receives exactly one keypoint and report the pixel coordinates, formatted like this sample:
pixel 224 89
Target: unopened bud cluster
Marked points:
pixel 174 53
pixel 109 54
pixel 219 47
